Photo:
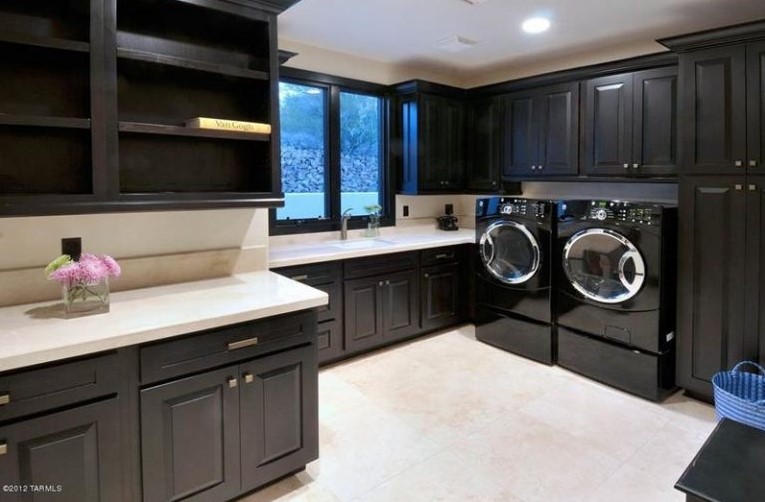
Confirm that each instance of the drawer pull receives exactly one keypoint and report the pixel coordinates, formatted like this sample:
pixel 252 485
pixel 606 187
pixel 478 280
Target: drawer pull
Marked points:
pixel 232 382
pixel 248 378
pixel 441 256
pixel 241 344
pixel 299 277
pixel 5 398
pixel 3 448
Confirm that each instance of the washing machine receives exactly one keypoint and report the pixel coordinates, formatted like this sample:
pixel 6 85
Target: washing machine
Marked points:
pixel 615 293
pixel 513 287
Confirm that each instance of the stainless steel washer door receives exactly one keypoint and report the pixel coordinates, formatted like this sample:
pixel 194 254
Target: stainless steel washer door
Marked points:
pixel 510 252
pixel 604 265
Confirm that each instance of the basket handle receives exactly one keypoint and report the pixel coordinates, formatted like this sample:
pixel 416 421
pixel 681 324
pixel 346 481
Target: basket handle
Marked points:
pixel 750 363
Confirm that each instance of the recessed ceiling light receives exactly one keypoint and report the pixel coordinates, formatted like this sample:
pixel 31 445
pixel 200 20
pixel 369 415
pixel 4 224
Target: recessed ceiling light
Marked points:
pixel 536 25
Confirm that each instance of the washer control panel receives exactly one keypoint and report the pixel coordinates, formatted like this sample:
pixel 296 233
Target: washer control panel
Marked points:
pixel 522 207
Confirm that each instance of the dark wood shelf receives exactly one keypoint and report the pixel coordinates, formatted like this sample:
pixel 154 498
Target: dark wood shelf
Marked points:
pixel 47 42
pixel 141 128
pixel 42 121
pixel 191 64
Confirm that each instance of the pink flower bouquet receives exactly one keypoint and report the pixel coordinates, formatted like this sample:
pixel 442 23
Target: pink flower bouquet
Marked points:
pixel 85 283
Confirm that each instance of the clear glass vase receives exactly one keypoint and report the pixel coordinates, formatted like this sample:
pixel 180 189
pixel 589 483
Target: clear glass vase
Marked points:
pixel 86 299
pixel 373 227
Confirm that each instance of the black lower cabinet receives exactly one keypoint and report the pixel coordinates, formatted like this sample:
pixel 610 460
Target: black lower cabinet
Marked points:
pixel 190 438
pixel 440 296
pixel 213 436
pixel 712 299
pixel 381 309
pixel 73 454
pixel 279 403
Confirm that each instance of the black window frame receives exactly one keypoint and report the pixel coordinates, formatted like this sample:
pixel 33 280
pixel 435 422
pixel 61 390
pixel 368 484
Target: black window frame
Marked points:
pixel 334 86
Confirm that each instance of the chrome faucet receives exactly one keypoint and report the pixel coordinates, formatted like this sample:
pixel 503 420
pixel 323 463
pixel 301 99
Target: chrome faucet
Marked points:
pixel 344 224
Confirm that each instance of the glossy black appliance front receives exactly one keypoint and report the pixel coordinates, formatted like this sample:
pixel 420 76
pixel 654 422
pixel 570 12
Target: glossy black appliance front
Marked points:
pixel 615 281
pixel 513 288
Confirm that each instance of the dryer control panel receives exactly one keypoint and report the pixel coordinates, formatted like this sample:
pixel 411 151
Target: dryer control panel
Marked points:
pixel 628 212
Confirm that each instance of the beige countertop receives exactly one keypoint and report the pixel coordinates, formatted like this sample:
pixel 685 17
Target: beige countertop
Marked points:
pixel 287 251
pixel 37 333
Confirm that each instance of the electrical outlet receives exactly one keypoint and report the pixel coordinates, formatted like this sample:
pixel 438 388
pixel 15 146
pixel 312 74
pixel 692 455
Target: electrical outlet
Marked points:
pixel 406 211
pixel 72 246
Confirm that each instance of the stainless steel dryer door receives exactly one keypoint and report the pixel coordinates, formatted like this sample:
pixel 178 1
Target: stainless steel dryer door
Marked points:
pixel 510 252
pixel 604 265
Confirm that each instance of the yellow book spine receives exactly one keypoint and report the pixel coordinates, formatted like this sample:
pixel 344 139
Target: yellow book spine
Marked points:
pixel 228 125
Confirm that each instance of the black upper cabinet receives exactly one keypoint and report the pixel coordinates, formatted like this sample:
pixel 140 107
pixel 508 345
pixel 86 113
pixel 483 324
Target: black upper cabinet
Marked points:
pixel 97 93
pixel 714 111
pixel 654 130
pixel 631 124
pixel 429 138
pixel 540 132
pixel 755 106
pixel 484 151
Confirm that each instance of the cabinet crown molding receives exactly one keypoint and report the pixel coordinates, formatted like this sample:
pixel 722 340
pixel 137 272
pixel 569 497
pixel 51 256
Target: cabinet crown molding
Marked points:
pixel 721 36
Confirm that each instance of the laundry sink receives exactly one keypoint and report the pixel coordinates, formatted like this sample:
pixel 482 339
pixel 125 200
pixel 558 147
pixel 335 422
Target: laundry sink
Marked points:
pixel 361 244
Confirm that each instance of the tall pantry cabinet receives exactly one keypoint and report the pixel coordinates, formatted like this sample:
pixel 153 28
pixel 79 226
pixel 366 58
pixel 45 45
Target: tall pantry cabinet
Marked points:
pixel 722 129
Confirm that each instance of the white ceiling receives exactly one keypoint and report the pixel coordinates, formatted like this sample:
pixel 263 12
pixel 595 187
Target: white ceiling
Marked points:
pixel 406 31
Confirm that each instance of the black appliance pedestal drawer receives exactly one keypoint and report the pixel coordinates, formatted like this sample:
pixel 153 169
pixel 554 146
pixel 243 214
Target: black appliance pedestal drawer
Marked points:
pixel 527 338
pixel 647 375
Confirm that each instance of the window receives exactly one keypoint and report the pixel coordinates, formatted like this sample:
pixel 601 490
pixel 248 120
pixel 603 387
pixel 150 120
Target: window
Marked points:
pixel 333 153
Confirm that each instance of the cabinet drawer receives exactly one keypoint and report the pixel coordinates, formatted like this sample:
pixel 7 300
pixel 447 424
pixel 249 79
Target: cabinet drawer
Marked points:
pixel 329 340
pixel 313 274
pixel 439 255
pixel 377 265
pixel 40 389
pixel 218 347
pixel 333 309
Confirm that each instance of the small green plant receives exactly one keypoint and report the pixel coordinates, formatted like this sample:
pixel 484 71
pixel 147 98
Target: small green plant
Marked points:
pixel 373 209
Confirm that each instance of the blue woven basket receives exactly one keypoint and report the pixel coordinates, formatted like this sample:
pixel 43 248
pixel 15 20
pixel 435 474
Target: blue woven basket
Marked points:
pixel 740 395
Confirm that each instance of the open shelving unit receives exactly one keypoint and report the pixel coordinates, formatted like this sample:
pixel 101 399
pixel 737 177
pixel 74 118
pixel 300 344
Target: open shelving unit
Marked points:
pixel 94 105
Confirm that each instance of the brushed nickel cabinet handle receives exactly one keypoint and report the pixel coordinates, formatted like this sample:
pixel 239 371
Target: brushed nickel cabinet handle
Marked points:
pixel 299 277
pixel 427 275
pixel 635 165
pixel 5 398
pixel 3 448
pixel 248 378
pixel 739 187
pixel 540 167
pixel 533 168
pixel 442 255
pixel 626 166
pixel 380 284
pixel 243 343
pixel 752 188
pixel 232 382
pixel 739 163
pixel 752 163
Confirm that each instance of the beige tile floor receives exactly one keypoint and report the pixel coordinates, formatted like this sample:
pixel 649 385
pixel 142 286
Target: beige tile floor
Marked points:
pixel 448 418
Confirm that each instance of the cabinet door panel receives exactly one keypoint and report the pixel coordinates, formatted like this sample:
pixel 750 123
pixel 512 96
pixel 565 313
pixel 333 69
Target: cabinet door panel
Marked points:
pixel 410 145
pixel 755 271
pixel 440 289
pixel 441 155
pixel 713 111
pixel 655 126
pixel 363 313
pixel 278 408
pixel 455 140
pixel 77 450
pixel 711 303
pixel 558 130
pixel 329 340
pixel 401 305
pixel 520 136
pixel 484 149
pixel 608 125
pixel 755 106
pixel 190 438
